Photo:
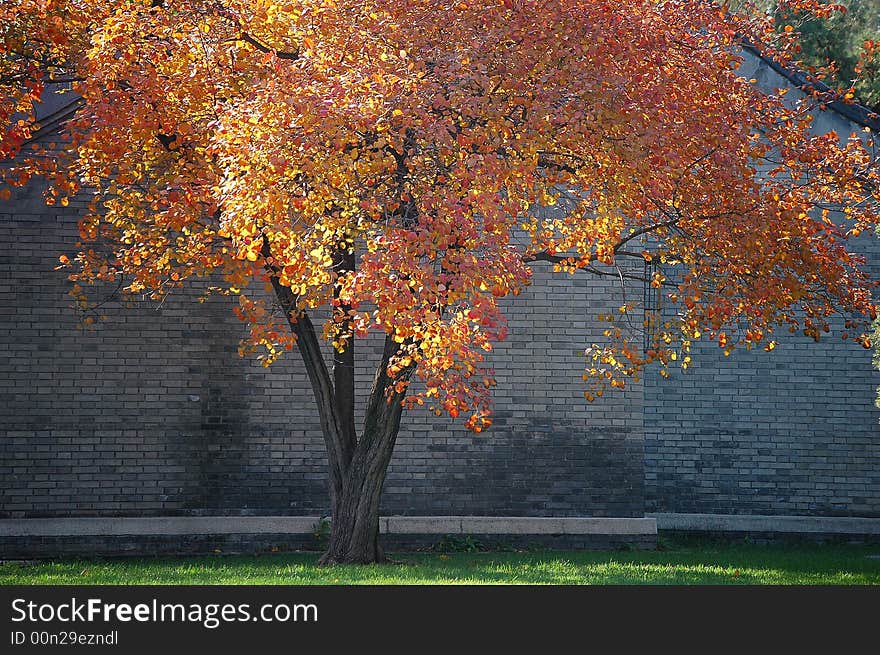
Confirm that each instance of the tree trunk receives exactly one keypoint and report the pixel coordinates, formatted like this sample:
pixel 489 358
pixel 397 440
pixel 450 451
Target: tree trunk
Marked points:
pixel 356 466
pixel 354 531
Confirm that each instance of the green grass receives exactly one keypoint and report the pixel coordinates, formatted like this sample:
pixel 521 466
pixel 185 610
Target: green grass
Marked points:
pixel 680 564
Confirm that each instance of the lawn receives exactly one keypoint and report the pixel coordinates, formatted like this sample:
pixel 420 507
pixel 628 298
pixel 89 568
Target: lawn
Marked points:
pixel 675 564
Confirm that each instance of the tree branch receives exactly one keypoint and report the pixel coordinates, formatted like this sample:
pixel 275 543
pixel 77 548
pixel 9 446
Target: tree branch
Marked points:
pixel 338 452
pixel 546 257
pixel 343 362
pixel 281 54
pixel 385 404
pixel 644 230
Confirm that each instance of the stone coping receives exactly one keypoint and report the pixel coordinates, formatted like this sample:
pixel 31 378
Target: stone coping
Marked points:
pixel 188 525
pixel 767 523
pixel 194 525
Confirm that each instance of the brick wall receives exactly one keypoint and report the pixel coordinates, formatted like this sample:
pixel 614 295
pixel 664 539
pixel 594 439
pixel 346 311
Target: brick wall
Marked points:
pixel 794 431
pixel 153 413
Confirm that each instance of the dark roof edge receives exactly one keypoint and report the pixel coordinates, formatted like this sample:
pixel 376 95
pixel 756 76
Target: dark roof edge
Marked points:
pixel 853 112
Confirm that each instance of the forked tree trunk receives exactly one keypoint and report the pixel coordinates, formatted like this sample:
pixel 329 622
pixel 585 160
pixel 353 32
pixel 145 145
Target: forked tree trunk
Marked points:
pixel 357 466
pixel 356 486
pixel 354 531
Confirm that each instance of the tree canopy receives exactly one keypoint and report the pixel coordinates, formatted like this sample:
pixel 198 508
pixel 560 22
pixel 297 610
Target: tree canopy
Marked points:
pixel 259 142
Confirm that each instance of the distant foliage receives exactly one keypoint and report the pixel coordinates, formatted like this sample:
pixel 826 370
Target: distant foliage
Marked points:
pixel 842 47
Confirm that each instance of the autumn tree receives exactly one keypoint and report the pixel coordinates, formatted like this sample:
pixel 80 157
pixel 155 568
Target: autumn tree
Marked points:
pixel 399 166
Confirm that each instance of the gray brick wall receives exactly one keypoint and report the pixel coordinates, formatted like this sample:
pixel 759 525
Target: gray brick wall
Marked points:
pixel 794 431
pixel 153 412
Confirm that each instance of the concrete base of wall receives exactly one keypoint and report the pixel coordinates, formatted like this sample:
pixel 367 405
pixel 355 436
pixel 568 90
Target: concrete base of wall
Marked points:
pixel 42 538
pixel 179 535
pixel 839 525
